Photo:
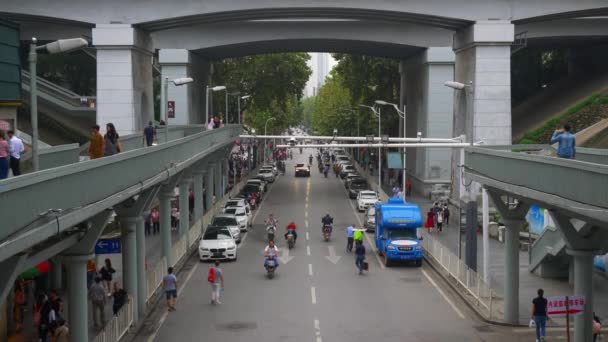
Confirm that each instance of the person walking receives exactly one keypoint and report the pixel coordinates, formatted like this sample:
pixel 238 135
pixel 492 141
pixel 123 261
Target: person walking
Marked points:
pixel 350 232
pixel 155 217
pixel 106 273
pixel 111 140
pixel 96 147
pixel 359 256
pixel 120 298
pixel 170 289
pixel 446 214
pixel 439 218
pixel 5 151
pixel 17 148
pixel 210 124
pixel 408 187
pixel 147 222
pixel 596 328
pixel 567 142
pixel 358 235
pixel 149 134
pixel 97 295
pixel 430 220
pixel 539 314
pixel 216 279
pixel 395 191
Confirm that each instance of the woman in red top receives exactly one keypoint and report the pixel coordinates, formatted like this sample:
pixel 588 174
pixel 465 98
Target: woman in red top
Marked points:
pixel 291 227
pixel 430 220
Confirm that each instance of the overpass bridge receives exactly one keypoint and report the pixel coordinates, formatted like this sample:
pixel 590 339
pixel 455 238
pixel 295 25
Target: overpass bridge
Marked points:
pixel 64 209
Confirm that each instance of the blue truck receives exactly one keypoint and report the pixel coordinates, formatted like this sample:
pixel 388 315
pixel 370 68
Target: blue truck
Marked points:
pixel 396 235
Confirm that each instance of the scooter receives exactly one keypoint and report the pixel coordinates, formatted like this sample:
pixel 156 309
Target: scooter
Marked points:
pixel 291 240
pixel 271 230
pixel 270 266
pixel 327 232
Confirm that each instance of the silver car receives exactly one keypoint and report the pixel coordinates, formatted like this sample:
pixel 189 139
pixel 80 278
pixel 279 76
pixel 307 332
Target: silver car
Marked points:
pixel 230 222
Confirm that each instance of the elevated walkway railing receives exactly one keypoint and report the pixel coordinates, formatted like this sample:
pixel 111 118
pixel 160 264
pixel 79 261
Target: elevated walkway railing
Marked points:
pixel 118 325
pixel 57 94
pixel 549 243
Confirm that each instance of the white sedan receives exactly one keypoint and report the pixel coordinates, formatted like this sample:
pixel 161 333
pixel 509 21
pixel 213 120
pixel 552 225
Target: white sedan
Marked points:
pixel 365 199
pixel 217 243
pixel 241 216
pixel 267 174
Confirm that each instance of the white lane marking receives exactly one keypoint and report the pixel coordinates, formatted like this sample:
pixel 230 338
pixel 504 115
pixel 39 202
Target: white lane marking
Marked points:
pixel 318 331
pixel 458 312
pixel 369 241
pixel 310 270
pixel 313 294
pixel 306 205
pixel 306 214
pixel 179 291
pixel 308 250
pixel 307 237
pixel 306 223
pixel 317 325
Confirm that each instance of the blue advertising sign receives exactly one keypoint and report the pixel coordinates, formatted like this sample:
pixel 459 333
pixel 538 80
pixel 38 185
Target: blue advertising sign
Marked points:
pixel 536 219
pixel 394 160
pixel 108 246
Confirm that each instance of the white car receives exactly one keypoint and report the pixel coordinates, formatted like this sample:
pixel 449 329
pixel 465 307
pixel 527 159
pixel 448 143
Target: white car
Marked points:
pixel 365 199
pixel 230 222
pixel 272 167
pixel 241 216
pixel 217 243
pixel 258 182
pixel 267 174
pixel 238 202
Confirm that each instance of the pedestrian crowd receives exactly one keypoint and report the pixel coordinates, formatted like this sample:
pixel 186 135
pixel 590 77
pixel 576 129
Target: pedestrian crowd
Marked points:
pixel 101 290
pixel 11 149
pixel 215 122
pixel 437 215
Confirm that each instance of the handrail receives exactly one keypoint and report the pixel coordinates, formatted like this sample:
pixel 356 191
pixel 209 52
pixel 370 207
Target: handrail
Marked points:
pixel 61 94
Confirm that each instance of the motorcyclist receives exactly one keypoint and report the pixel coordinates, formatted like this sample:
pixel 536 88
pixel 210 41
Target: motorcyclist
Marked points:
pixel 310 160
pixel 327 220
pixel 290 154
pixel 291 229
pixel 271 220
pixel 271 252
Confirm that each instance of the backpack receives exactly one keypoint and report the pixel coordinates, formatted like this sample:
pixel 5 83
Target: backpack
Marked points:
pixel 211 275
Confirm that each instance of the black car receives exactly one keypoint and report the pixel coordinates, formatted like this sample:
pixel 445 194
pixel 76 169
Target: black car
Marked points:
pixel 252 189
pixel 346 169
pixel 355 185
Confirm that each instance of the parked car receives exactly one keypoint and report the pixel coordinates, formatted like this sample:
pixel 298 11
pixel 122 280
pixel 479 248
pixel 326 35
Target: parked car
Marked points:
pixel 267 174
pixel 302 170
pixel 258 182
pixel 249 189
pixel 217 243
pixel 273 167
pixel 241 216
pixel 342 158
pixel 365 199
pixel 346 169
pixel 240 203
pixel 230 222
pixel 349 177
pixel 355 185
pixel 370 219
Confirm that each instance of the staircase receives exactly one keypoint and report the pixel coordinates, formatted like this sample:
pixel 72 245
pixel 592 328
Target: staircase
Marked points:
pixel 548 256
pixel 62 106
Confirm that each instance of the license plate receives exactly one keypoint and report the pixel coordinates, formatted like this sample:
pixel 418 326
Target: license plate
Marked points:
pixel 217 255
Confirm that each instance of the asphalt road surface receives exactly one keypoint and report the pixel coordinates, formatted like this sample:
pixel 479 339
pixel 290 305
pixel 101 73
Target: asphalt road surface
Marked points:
pixel 317 294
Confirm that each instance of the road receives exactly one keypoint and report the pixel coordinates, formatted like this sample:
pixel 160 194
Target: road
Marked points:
pixel 316 295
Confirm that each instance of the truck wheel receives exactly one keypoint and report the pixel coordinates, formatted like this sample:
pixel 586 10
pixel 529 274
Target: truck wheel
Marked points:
pixel 419 263
pixel 387 262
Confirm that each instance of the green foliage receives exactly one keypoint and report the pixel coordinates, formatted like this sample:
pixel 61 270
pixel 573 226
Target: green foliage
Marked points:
pixel 308 106
pixel 275 83
pixel 538 136
pixel 332 109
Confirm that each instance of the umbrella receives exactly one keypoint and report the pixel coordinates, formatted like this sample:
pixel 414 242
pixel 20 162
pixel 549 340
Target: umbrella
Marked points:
pixel 35 271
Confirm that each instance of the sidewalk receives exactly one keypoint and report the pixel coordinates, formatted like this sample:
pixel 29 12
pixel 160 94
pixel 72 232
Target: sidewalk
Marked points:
pixel 529 283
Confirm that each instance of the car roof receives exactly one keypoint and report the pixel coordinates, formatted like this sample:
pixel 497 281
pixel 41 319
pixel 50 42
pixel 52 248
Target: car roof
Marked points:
pixel 236 208
pixel 223 216
pixel 217 228
pixel 254 180
pixel 367 192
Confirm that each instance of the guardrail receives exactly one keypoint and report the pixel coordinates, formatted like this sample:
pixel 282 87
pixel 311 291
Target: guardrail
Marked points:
pixel 470 282
pixel 119 325
pixel 154 278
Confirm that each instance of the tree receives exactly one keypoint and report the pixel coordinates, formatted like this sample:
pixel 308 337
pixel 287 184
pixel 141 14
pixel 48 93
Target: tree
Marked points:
pixel 332 108
pixel 274 81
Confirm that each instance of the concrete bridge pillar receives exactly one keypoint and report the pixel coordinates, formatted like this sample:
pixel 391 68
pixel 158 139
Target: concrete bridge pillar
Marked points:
pixel 124 77
pixel 209 186
pixel 129 258
pixel 165 196
pixel 184 208
pixel 218 180
pixel 189 99
pixel 583 285
pixel 430 110
pixel 513 227
pixel 142 286
pixel 198 176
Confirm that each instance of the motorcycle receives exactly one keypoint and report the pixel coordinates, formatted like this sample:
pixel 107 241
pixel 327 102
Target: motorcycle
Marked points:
pixel 300 150
pixel 271 266
pixel 290 155
pixel 310 160
pixel 327 232
pixel 291 240
pixel 271 230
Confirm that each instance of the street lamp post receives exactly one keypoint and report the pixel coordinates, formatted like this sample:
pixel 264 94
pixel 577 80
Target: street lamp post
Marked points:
pixel 207 89
pixel 245 97
pixel 164 99
pixel 377 114
pixel 265 127
pixel 402 115
pixel 59 46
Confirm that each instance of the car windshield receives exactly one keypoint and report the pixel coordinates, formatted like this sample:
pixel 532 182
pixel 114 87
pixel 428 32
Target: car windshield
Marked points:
pixel 299 165
pixel 217 234
pixel 367 195
pixel 402 234
pixel 232 204
pixel 224 221
pixel 230 211
pixel 358 185
pixel 250 188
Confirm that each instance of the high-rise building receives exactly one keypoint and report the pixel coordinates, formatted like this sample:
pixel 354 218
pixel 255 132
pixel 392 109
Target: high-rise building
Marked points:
pixel 320 64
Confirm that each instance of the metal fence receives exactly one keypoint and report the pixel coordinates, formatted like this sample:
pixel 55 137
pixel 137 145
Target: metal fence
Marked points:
pixel 119 325
pixel 154 277
pixel 475 289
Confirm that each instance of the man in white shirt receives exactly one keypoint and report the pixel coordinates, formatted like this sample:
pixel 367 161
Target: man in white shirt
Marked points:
pixel 16 146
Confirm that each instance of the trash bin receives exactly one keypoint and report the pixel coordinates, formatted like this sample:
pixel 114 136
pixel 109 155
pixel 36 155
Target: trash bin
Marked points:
pixel 501 234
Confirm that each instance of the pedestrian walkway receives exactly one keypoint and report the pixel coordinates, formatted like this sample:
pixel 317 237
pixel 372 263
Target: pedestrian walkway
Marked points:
pixel 529 282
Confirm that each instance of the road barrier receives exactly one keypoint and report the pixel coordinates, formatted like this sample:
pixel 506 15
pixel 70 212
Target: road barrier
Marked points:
pixel 119 325
pixel 476 291
pixel 154 278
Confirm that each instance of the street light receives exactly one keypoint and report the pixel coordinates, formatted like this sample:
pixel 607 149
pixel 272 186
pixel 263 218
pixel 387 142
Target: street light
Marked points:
pixel 377 114
pixel 245 97
pixel 216 88
pixel 401 115
pixel 59 46
pixel 164 99
pixel 265 127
